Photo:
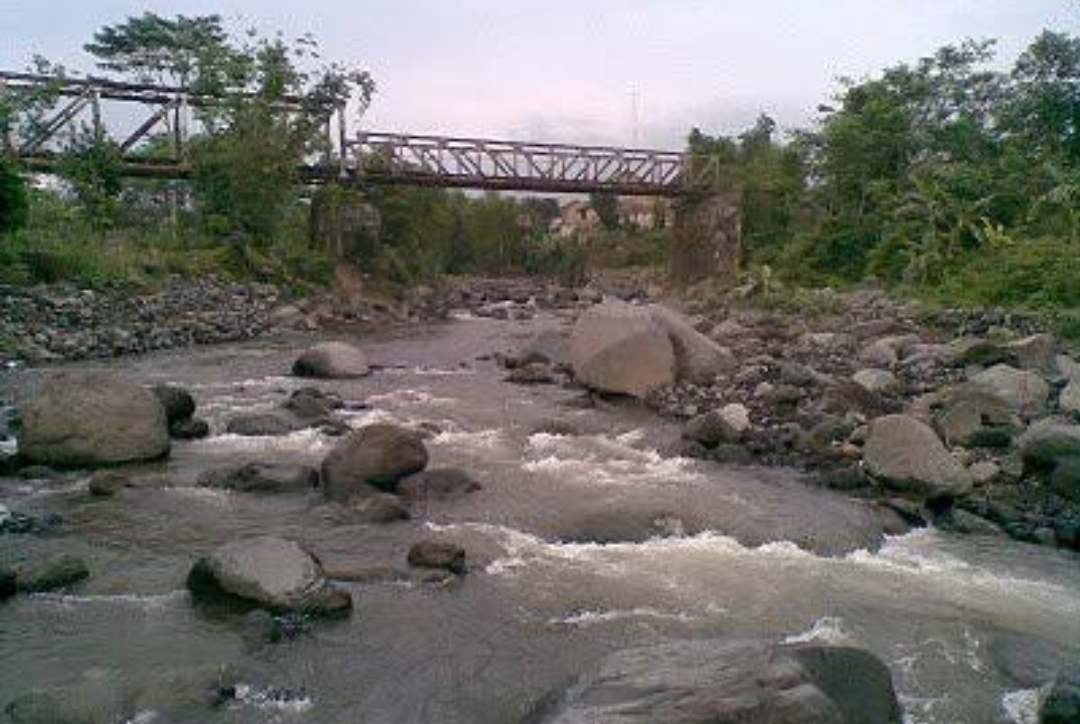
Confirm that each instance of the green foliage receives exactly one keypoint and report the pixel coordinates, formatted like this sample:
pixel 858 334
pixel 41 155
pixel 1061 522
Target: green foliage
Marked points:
pixel 92 167
pixel 151 48
pixel 14 207
pixel 606 206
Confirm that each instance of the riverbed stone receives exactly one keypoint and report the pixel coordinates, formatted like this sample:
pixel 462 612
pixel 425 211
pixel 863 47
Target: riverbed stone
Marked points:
pixel 99 698
pixel 178 402
pixel 1052 448
pixel 8 585
pixel 107 483
pixel 549 347
pixel 92 419
pixel 908 456
pixel 969 411
pixel 268 572
pixel 438 555
pixel 1035 352
pixel 193 428
pixel 374 457
pixel 378 508
pixel 1069 400
pixel 262 477
pixel 437 484
pixel 725 425
pixel 311 403
pixel 331 360
pixel 50 574
pixel 257 424
pixel 706 681
pixel 1022 390
pixel 620 348
pixel 878 381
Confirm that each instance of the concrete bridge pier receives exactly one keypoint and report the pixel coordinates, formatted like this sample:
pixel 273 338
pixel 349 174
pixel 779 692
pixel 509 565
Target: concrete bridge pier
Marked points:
pixel 706 238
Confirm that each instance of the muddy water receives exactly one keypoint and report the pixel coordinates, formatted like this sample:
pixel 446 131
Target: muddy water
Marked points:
pixel 761 555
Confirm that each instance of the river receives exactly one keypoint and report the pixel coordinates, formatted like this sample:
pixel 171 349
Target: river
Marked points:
pixel 761 554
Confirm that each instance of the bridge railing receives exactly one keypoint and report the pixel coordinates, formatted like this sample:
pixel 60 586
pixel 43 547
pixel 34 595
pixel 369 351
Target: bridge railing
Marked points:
pixel 546 167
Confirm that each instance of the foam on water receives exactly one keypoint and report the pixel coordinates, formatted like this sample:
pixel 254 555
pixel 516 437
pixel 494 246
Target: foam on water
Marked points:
pixel 273 699
pixel 828 630
pixel 479 440
pixel 149 603
pixel 421 396
pixel 585 619
pixel 1022 706
pixel 604 460
pixel 308 439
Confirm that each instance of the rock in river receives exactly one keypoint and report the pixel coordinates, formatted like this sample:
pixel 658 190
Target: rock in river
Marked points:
pixel 50 574
pixel 373 457
pixel 438 555
pixel 262 478
pixel 268 572
pixel 908 456
pixel 617 347
pixel 84 419
pixel 734 682
pixel 331 360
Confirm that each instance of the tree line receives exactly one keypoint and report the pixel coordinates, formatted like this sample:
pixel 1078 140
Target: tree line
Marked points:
pixel 946 174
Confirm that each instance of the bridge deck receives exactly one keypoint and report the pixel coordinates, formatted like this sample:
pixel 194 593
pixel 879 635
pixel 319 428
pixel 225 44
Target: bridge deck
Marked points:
pixel 368 157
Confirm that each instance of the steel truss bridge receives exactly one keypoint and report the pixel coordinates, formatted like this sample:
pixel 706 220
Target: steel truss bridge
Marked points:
pixel 168 117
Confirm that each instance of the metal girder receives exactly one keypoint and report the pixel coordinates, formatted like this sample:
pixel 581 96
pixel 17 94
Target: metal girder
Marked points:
pixel 493 164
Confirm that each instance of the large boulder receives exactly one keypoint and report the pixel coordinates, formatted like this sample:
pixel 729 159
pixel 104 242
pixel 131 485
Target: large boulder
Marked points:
pixel 971 411
pixel 698 359
pixel 620 348
pixel 1036 352
pixel 1053 448
pixel 85 419
pixel 267 572
pixel 1021 390
pixel 734 682
pixel 331 360
pixel 1069 401
pixel 907 455
pixel 372 458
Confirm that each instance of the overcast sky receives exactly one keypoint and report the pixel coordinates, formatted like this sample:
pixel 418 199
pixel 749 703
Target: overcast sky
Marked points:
pixel 569 70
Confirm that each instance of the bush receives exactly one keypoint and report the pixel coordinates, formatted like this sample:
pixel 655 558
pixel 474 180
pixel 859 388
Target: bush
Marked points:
pixel 14 207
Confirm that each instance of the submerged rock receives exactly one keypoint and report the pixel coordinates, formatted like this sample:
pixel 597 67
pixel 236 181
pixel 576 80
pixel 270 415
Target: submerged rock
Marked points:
pixel 908 456
pixel 736 682
pixel 58 571
pixel 371 458
pixel 268 572
pixel 331 360
pixel 262 478
pixel 254 424
pixel 438 555
pixel 437 484
pixel 84 419
pixel 107 483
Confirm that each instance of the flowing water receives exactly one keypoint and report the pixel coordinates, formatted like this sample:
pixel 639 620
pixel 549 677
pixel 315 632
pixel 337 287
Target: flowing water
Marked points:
pixel 761 555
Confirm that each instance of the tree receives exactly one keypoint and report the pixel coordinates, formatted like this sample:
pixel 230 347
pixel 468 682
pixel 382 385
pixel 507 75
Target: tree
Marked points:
pixel 153 49
pixel 606 206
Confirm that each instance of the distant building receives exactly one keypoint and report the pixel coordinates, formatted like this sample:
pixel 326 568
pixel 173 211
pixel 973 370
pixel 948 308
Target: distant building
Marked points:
pixel 576 218
pixel 644 213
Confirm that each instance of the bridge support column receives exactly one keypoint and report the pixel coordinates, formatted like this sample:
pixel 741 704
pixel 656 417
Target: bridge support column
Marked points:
pixel 706 238
pixel 344 225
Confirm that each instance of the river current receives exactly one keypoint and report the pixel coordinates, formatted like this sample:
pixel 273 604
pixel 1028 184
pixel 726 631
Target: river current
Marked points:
pixel 762 555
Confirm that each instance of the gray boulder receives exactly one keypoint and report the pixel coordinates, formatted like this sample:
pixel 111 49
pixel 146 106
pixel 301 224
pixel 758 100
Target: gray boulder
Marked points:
pixel 267 572
pixel 255 424
pixel 1036 352
pixel 1052 448
pixel 726 425
pixel 256 477
pixel 619 348
pixel 372 458
pixel 84 419
pixel 877 381
pixel 331 360
pixel 1021 390
pixel 549 347
pixel 971 410
pixel 734 682
pixel 698 359
pixel 908 456
pixel 1069 401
